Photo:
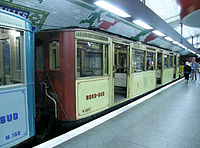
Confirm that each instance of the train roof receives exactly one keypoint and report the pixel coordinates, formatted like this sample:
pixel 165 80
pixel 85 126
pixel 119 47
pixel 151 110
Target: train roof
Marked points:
pixel 15 21
pixel 102 32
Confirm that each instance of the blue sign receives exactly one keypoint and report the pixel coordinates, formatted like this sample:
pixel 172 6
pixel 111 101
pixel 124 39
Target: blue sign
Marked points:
pixel 13 117
pixel 22 13
pixel 8 118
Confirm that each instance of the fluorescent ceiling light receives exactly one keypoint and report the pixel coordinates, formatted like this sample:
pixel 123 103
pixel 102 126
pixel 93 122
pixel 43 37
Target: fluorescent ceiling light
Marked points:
pixel 169 39
pixel 158 33
pixel 184 47
pixel 109 7
pixel 142 24
pixel 191 51
pixel 179 44
pixel 175 42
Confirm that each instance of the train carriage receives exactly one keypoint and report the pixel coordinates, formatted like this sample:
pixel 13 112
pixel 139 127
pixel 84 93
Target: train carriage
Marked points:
pixel 89 71
pixel 17 90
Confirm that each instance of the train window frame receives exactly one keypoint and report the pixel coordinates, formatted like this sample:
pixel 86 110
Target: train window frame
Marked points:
pixel 178 60
pixel 134 50
pixel 171 61
pixel 159 60
pixel 150 67
pixel 105 59
pixel 16 54
pixel 175 61
pixel 121 64
pixel 166 62
pixel 56 64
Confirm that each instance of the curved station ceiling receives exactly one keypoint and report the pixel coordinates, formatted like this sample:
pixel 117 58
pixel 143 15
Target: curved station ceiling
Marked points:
pixel 55 14
pixel 182 15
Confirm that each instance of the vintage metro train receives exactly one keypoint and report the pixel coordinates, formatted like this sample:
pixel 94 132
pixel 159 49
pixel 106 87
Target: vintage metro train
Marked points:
pixel 88 71
pixel 78 73
pixel 17 88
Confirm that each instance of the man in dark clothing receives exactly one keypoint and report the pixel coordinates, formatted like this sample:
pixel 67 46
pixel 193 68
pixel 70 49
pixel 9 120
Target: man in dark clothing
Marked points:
pixel 187 71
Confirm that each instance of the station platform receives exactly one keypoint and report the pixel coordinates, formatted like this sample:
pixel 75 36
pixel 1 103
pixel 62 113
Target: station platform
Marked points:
pixel 167 118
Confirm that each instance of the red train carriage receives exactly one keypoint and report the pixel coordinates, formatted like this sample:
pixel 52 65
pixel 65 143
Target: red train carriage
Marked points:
pixel 56 63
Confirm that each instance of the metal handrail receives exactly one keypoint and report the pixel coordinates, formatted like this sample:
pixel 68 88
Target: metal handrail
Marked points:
pixel 55 103
pixel 57 96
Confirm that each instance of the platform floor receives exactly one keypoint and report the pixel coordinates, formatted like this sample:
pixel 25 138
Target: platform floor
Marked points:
pixel 170 119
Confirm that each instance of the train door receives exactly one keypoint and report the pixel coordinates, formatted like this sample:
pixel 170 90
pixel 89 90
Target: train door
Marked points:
pixel 159 68
pixel 93 74
pixel 120 71
pixel 175 66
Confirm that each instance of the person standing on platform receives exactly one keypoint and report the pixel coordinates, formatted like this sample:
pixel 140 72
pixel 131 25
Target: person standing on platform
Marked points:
pixel 199 70
pixel 187 71
pixel 195 66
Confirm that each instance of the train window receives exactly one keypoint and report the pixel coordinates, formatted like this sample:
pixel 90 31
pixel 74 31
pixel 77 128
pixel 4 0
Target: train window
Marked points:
pixel 92 59
pixel 150 61
pixel 11 52
pixel 139 58
pixel 159 61
pixel 54 55
pixel 170 61
pixel 178 61
pixel 175 61
pixel 166 61
pixel 120 58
